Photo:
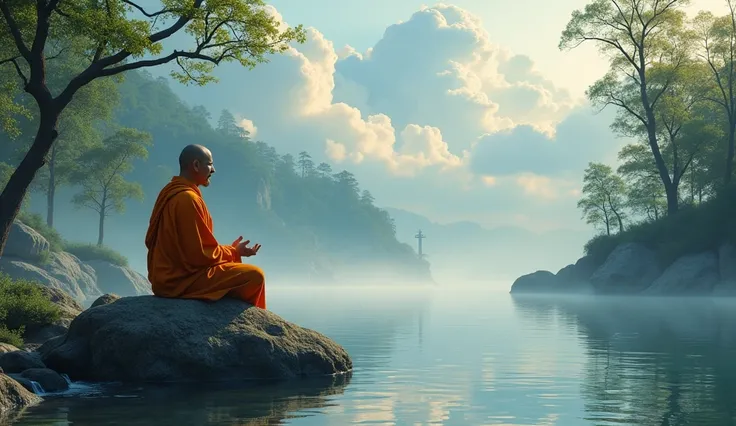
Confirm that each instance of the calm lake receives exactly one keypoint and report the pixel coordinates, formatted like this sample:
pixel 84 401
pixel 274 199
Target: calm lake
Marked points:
pixel 467 356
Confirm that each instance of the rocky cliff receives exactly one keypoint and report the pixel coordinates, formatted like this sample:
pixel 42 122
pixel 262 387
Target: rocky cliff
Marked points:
pixel 28 255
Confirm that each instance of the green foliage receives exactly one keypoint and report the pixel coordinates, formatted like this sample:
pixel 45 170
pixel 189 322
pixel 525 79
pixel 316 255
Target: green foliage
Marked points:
pixel 603 198
pixel 22 307
pixel 694 229
pixel 87 252
pixel 104 188
pixel 13 337
pixel 35 221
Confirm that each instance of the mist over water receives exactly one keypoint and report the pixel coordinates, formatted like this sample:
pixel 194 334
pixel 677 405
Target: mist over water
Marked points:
pixel 465 355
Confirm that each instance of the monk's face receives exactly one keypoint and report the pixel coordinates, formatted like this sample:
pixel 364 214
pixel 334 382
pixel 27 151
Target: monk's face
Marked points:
pixel 203 169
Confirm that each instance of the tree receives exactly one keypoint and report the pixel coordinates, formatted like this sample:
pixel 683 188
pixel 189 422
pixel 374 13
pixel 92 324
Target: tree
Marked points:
pixel 113 42
pixel 636 35
pixel 603 197
pixel 104 188
pixel 367 198
pixel 306 165
pixel 228 126
pixel 325 170
pixel 644 194
pixel 718 49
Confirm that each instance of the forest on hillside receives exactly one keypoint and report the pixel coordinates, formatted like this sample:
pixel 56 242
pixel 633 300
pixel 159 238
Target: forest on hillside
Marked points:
pixel 119 143
pixel 672 81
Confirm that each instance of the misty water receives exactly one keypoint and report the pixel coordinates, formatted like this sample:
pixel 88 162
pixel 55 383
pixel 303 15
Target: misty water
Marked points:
pixel 470 356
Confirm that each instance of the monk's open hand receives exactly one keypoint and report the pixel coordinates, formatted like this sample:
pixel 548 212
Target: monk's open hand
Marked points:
pixel 243 248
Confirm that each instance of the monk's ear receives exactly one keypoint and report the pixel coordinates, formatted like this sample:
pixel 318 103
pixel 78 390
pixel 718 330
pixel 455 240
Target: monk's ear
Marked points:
pixel 195 165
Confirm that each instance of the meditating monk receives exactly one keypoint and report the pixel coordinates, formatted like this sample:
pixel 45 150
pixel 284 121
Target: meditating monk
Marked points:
pixel 184 258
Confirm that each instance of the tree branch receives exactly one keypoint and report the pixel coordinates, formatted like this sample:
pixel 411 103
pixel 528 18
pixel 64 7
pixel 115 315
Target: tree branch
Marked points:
pixel 143 11
pixel 20 72
pixel 15 31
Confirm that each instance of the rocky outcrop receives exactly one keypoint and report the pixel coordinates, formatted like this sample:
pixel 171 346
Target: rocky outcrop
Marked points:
pixel 633 269
pixel 25 243
pixel 119 280
pixel 689 275
pixel 30 258
pixel 151 339
pixel 13 397
pixel 630 268
pixel 105 299
pixel 570 279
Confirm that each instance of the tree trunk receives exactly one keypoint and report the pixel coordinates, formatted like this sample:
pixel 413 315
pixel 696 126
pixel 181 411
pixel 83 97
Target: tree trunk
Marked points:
pixel 672 202
pixel 729 155
pixel 51 190
pixel 17 187
pixel 101 230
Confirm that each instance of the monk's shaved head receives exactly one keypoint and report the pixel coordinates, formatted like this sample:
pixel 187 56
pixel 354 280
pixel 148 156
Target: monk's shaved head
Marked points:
pixel 191 153
pixel 195 164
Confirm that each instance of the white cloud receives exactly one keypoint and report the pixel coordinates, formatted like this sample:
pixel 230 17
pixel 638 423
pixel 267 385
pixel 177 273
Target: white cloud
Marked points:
pixel 434 118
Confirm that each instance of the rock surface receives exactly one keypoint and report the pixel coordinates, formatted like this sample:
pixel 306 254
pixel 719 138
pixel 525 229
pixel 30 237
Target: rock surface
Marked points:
pixel 13 397
pixel 19 361
pixel 536 282
pixel 689 275
pixel 630 268
pixel 28 256
pixel 25 243
pixel 105 299
pixel 151 339
pixel 50 380
pixel 119 280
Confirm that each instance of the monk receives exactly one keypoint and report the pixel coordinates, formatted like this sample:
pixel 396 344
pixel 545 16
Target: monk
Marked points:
pixel 184 258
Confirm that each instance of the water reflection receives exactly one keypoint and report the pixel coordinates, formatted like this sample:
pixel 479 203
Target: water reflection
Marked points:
pixel 211 404
pixel 651 361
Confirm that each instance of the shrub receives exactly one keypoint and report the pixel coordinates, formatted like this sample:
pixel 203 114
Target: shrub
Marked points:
pixel 87 252
pixel 693 229
pixel 23 306
pixel 13 337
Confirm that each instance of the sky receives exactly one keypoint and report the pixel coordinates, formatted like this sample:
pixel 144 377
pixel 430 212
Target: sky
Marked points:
pixel 457 111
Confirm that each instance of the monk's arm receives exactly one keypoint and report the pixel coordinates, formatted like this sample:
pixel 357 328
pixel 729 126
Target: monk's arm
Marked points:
pixel 198 244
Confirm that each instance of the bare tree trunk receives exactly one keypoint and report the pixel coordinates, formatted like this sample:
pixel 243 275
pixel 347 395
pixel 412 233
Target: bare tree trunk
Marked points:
pixel 51 190
pixel 101 230
pixel 17 187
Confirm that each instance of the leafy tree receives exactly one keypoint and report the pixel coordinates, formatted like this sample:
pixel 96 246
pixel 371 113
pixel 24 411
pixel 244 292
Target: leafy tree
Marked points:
pixel 647 45
pixel 367 198
pixel 104 188
pixel 718 50
pixel 644 193
pixel 347 183
pixel 306 165
pixel 324 169
pixel 603 197
pixel 113 42
pixel 227 125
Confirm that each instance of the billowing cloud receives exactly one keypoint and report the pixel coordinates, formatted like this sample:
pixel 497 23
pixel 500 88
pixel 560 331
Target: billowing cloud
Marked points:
pixel 582 136
pixel 434 118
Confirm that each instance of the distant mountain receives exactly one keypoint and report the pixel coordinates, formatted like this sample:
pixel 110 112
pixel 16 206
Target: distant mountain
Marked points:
pixel 467 251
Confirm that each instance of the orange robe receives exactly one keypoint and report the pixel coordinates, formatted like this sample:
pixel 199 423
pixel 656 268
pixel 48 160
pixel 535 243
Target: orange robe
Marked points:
pixel 184 258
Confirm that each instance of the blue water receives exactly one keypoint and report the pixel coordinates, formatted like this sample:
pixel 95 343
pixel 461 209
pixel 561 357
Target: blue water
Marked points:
pixel 468 356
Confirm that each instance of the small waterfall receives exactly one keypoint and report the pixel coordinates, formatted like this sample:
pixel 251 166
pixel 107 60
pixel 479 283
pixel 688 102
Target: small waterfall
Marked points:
pixel 37 388
pixel 68 380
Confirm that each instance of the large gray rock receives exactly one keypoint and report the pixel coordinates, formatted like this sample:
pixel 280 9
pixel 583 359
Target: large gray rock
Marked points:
pixel 630 268
pixel 536 282
pixel 119 280
pixel 694 274
pixel 13 397
pixel 25 243
pixel 152 339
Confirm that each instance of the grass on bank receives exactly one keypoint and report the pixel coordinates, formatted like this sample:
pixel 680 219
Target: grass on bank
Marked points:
pixel 23 306
pixel 85 252
pixel 693 229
